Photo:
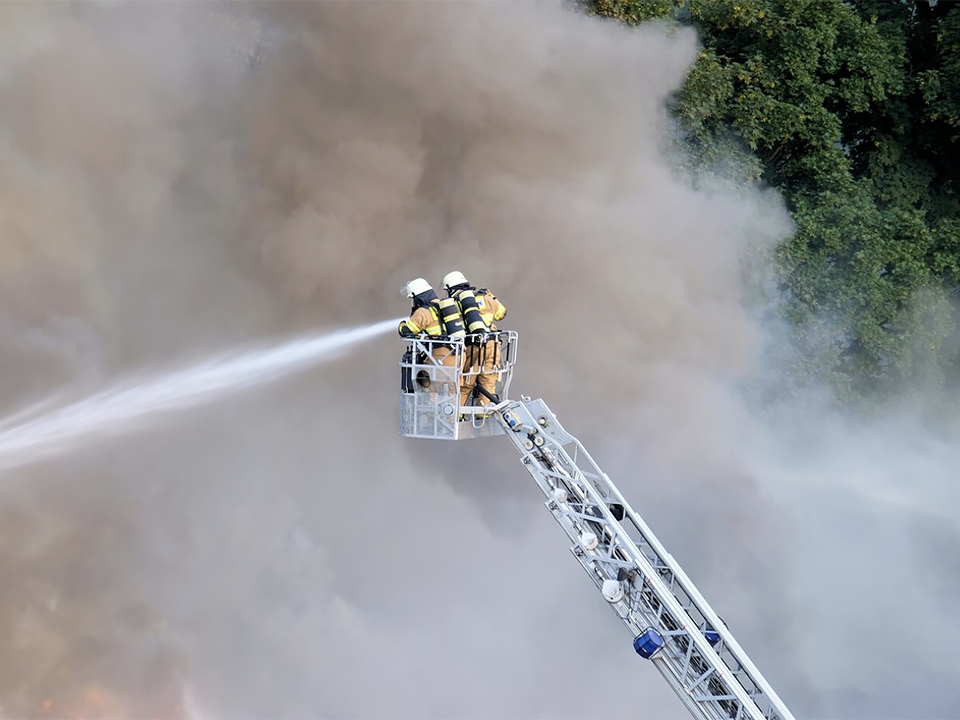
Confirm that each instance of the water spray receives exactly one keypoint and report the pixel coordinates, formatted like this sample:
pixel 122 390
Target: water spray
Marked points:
pixel 32 434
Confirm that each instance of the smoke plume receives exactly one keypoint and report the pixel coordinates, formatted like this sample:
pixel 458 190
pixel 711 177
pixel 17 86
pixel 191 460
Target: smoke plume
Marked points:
pixel 180 178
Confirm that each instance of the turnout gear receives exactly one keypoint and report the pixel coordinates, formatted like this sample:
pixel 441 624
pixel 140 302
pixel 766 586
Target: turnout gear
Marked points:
pixel 491 309
pixel 424 320
pixel 481 364
pixel 437 320
pixel 431 315
pixel 488 308
pixel 425 316
pixel 481 311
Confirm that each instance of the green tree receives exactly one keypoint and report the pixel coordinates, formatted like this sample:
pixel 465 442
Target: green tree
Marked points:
pixel 852 111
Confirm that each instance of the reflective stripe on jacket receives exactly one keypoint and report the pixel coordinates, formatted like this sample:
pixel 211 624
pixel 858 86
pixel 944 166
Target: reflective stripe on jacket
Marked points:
pixel 423 320
pixel 491 309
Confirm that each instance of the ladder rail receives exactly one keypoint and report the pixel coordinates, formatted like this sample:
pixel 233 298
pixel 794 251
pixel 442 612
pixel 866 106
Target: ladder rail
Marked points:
pixel 713 680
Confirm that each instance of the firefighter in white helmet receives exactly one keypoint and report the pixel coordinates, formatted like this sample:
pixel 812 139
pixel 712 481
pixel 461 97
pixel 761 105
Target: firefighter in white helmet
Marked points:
pixel 481 310
pixel 434 320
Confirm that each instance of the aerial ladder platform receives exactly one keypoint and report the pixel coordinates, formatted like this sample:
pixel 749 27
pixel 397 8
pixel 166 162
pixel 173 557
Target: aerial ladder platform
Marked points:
pixel 671 623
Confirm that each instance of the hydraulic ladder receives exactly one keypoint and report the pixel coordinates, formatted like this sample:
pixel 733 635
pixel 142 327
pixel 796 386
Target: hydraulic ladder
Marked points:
pixel 670 622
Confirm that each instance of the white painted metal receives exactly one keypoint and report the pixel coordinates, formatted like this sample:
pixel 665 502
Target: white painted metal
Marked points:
pixel 638 578
pixel 429 400
pixel 613 543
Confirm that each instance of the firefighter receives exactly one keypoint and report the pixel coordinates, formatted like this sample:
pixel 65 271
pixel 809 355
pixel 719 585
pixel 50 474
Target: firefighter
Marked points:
pixel 481 310
pixel 435 321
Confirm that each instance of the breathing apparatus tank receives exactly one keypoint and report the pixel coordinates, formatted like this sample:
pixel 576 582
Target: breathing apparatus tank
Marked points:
pixel 450 318
pixel 471 312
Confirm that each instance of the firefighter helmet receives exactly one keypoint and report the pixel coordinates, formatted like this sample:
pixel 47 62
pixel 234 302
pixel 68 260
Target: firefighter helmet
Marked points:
pixel 415 287
pixel 452 279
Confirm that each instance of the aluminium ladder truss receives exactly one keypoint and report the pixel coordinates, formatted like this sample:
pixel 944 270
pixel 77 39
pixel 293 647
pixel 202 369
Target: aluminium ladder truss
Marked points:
pixel 671 623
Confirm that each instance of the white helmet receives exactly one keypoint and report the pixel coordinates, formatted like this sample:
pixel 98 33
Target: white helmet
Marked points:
pixel 415 287
pixel 452 279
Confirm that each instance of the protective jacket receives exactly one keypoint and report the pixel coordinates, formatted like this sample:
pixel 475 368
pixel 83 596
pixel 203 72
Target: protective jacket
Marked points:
pixel 423 320
pixel 436 318
pixel 480 308
pixel 491 309
pixel 481 311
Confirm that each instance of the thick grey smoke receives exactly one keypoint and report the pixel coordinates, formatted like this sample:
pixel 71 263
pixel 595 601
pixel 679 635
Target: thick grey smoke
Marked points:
pixel 178 178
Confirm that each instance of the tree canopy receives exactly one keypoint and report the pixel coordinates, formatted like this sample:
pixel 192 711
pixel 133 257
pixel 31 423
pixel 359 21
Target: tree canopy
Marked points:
pixel 851 110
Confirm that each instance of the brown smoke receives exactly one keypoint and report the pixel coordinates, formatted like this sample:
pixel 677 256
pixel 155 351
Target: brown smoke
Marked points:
pixel 180 178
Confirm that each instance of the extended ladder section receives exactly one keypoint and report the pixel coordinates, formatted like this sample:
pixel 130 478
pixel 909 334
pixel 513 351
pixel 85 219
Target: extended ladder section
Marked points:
pixel 670 621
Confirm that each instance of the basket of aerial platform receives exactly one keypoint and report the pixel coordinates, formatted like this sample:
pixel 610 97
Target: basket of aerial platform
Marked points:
pixel 433 372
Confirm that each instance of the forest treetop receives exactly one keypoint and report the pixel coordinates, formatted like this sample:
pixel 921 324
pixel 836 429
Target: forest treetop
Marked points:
pixel 851 110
